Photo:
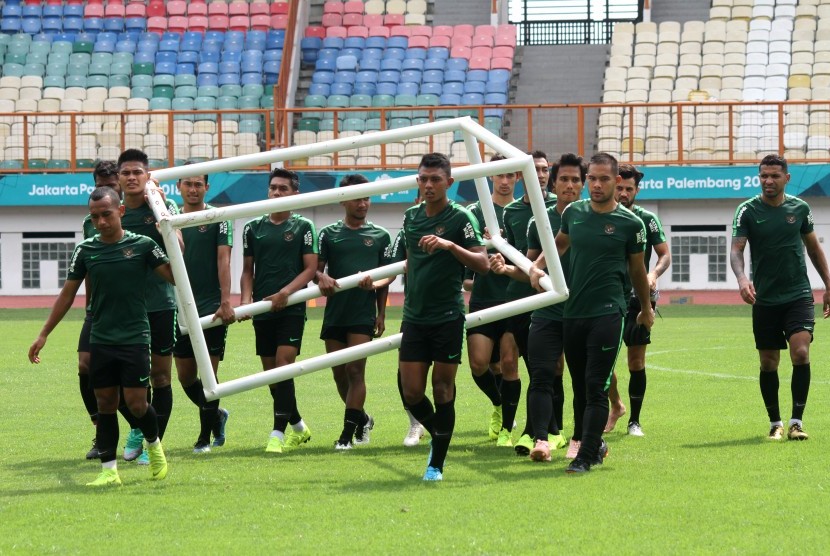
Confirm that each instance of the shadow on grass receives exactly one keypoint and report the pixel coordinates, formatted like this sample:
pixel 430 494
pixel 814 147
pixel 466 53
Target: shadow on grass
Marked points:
pixel 750 441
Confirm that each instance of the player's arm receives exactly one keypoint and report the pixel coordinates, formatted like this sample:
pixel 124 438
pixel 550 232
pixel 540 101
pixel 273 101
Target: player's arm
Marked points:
pixel 819 261
pixel 662 264
pixel 639 280
pixel 380 300
pixel 473 257
pixel 736 260
pixel 279 300
pixel 246 281
pixel 327 283
pixel 165 272
pixel 62 304
pixel 223 263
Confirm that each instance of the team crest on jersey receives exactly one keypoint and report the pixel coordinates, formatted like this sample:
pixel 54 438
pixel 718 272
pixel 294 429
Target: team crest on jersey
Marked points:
pixel 368 242
pixel 610 229
pixel 790 218
pixel 149 219
pixel 288 236
pixel 128 252
pixel 439 230
pixel 203 228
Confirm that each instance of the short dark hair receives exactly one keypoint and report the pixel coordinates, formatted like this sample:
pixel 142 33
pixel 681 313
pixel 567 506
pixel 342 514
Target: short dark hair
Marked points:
pixel 105 192
pixel 538 154
pixel 628 171
pixel 287 174
pixel 353 179
pixel 134 155
pixel 605 159
pixel 774 160
pixel 496 157
pixel 436 160
pixel 104 169
pixel 188 163
pixel 569 160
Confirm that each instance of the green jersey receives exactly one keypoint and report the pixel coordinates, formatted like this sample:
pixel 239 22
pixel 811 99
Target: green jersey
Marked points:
pixel 201 259
pixel 117 280
pixel 398 252
pixel 278 251
pixel 654 236
pixel 551 312
pixel 516 216
pixel 432 294
pixel 346 252
pixel 141 220
pixel 776 248
pixel 598 257
pixel 89 229
pixel 490 287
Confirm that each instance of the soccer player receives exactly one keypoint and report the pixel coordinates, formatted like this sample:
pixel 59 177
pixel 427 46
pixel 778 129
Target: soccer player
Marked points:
pixel 354 316
pixel 545 340
pixel 116 263
pixel 441 238
pixel 490 344
pixel 279 258
pixel 602 237
pixel 637 338
pixel 105 173
pixel 779 227
pixel 208 262
pixel 138 218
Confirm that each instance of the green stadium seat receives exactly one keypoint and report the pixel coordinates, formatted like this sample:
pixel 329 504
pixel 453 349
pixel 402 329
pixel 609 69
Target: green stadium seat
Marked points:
pixel 16 58
pixel 101 58
pixel 182 104
pixel 57 164
pixel 205 103
pixel 142 92
pixel 159 163
pixel 396 123
pixel 82 46
pixel 227 102
pixel 254 90
pixel 164 79
pixel 353 124
pixel 76 81
pixel 373 124
pixel 97 81
pixel 54 81
pixel 119 81
pixel 250 126
pixel 160 103
pixel 40 47
pixel 38 70
pixel 77 69
pixel 338 101
pixel 420 120
pixel 208 91
pixel 427 100
pixel 163 91
pixel 14 70
pixel 184 79
pixel 230 90
pixel 37 164
pixel 86 163
pixel 306 124
pixel 59 58
pixel 186 91
pixel 64 47
pixel 11 165
pixel 56 68
pixel 17 48
pixel 314 101
pixel 143 68
pixel 121 68
pixel 266 101
pixel 96 68
pixel 142 80
pixel 37 58
pixel 123 58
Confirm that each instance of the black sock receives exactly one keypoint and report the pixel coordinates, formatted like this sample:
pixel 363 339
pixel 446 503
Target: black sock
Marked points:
pixel 499 378
pixel 769 392
pixel 163 405
pixel 800 387
pixel 487 384
pixel 558 400
pixel 539 400
pixel 195 393
pixel 636 393
pixel 208 411
pixel 289 395
pixel 281 415
pixel 528 422
pixel 423 412
pixel 106 436
pixel 126 413
pixel 351 420
pixel 444 426
pixel 88 396
pixel 149 424
pixel 511 392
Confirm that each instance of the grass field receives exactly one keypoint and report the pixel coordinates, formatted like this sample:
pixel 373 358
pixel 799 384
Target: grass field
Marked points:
pixel 703 480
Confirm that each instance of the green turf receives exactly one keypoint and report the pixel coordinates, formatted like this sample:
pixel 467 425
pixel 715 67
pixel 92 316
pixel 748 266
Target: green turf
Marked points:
pixel 703 480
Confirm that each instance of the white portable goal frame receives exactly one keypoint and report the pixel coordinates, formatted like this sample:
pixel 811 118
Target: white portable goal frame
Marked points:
pixel 516 161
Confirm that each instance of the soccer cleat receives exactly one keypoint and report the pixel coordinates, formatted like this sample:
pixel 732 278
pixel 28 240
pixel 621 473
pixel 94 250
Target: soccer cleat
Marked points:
pixel 414 436
pixel 796 432
pixel 505 439
pixel 275 445
pixel 293 439
pixel 134 446
pixel 523 445
pixel 143 459
pixel 602 453
pixel 557 441
pixel 201 447
pixel 573 449
pixel 776 432
pixel 339 446
pixel 219 429
pixel 495 423
pixel 613 417
pixel 634 429
pixel 367 429
pixel 578 465
pixel 540 451
pixel 433 474
pixel 158 463
pixel 105 478
pixel 93 452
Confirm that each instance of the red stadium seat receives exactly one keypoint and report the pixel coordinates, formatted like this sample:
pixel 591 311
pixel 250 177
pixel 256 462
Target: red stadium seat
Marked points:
pixel 197 8
pixel 503 52
pixel 370 20
pixel 418 42
pixel 442 30
pixel 218 23
pixel 114 9
pixel 156 8
pixel 134 9
pixel 156 24
pixel 177 24
pixel 505 39
pixel 217 8
pixel 479 63
pixel 440 40
pixel 240 22
pixel 320 32
pixel 279 8
pixel 483 40
pixel 379 31
pixel 333 7
pixel 279 21
pixel 350 20
pixel 506 29
pixel 462 40
pixel 482 52
pixel 464 29
pixel 485 30
pixel 332 20
pixel 353 7
pixel 400 31
pixel 176 7
pixel 357 31
pixel 336 32
pixel 460 52
pixel 501 63
pixel 238 7
pixel 94 10
pixel 260 8
pixel 198 23
pixel 420 30
pixel 261 22
pixel 390 20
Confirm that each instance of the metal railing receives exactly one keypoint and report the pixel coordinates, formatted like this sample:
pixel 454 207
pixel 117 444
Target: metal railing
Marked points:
pixel 558 22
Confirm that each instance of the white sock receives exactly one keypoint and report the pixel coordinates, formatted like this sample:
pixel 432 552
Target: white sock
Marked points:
pixel 412 420
pixel 278 434
pixel 776 424
pixel 110 465
pixel 154 443
pixel 795 422
pixel 299 426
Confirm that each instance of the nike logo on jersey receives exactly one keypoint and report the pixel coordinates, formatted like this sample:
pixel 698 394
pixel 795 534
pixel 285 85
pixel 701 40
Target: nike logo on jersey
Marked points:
pixel 338 240
pixel 293 339
pixel 453 356
pixel 94 256
pixel 607 348
pixel 578 222
pixel 761 221
pixel 145 379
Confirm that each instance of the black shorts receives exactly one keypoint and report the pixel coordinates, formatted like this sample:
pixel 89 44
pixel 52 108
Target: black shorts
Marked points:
pixel 163 331
pixel 127 366
pixel 214 338
pixel 86 332
pixel 494 330
pixel 426 343
pixel 285 330
pixel 773 325
pixel 341 333
pixel 519 326
pixel 635 334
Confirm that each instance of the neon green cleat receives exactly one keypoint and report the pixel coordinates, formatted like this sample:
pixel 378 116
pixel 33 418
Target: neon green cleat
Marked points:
pixel 557 441
pixel 134 446
pixel 158 463
pixel 105 478
pixel 275 445
pixel 495 423
pixel 524 445
pixel 293 439
pixel 505 439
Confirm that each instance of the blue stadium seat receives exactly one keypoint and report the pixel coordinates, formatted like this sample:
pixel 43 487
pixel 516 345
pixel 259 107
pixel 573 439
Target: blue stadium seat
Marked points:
pixel 144 57
pixel 366 76
pixel 407 89
pixel 309 46
pixel 209 57
pixel 104 46
pixel 193 37
pixel 395 53
pixel 469 99
pixel 251 66
pixel 12 10
pixel 167 68
pixel 167 45
pixel 251 78
pixel 412 63
pixel 228 79
pixel 411 76
pixel 32 10
pixel 228 67
pixel 234 56
pixel 340 88
pixel 496 87
pixel 93 24
pixel 376 42
pixel 166 56
pixel 355 42
pixel 453 88
pixel 457 64
pixel 434 64
pixel 253 56
pixel 495 98
pixel 348 63
pixel 391 64
pixel 52 24
pixel 432 88
pixel 203 79
pixel 433 76
pixel 386 88
pixel 370 64
pixel 135 24
pixel 115 24
pixel 450 99
pixel 365 89
pixel 397 42
pixel 344 77
pixel 30 25
pixel 125 46
pixel 185 68
pixel 208 67
pixel 10 25
pixel 326 77
pixel 389 76
pixel 474 87
pixel 333 42
pixel 417 53
pixel 319 89
pixel 477 75
pixel 438 53
pixel 356 52
pixel 171 36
